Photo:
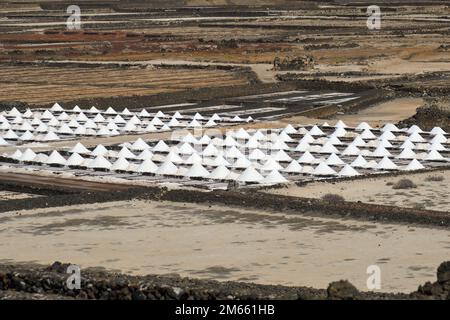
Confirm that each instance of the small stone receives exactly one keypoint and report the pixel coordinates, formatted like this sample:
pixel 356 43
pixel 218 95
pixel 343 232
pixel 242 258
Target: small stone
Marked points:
pixel 138 295
pixel 178 292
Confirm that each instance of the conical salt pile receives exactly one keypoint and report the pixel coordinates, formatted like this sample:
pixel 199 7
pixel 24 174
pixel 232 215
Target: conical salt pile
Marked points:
pixel 339 132
pixel 50 136
pixel 16 155
pixel 144 155
pixel 56 158
pixel 250 175
pixel 407 153
pixel 186 149
pixel 303 146
pixel 348 171
pixel 282 156
pixel 242 134
pixel 27 156
pixel 121 164
pixel 167 168
pixel 359 162
pixel 156 122
pixel 414 128
pixel 80 149
pixel 140 144
pixel 242 163
pixel 110 111
pixel 197 171
pixel 194 124
pixel 257 154
pixel 172 156
pixel 367 134
pixel 293 167
pixel 147 166
pixel 56 107
pixel 307 157
pixel 274 177
pixel 210 151
pixel 416 137
pixel 351 150
pixel 434 155
pixel 289 129
pixel 100 150
pixel 439 138
pixel 100 163
pixel 144 113
pixel 340 124
pixel 323 170
pixel 271 164
pixel 307 138
pixel 219 173
pixel 389 127
pixel 358 142
pixel 436 146
pixel 387 135
pixel 328 148
pixel 126 112
pixel 75 160
pixel 363 126
pixel 3 142
pixel 380 152
pixel 315 131
pixel 437 130
pixel 10 135
pixel 407 145
pixel 194 158
pixel 334 160
pixel 161 146
pixel 386 164
pixel 27 136
pixel 414 165
pixel 234 153
pixel 198 116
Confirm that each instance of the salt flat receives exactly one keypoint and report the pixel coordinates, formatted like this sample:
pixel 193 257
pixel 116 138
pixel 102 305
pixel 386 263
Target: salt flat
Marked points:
pixel 428 194
pixel 224 243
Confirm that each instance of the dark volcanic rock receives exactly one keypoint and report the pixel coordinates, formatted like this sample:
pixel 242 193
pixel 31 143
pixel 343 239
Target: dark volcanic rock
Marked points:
pixel 342 290
pixel 429 116
pixel 443 272
pixel 439 289
pixel 39 282
pixel 59 267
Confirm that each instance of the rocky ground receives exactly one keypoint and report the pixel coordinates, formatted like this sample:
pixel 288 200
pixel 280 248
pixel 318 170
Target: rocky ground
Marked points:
pixel 431 115
pixel 41 282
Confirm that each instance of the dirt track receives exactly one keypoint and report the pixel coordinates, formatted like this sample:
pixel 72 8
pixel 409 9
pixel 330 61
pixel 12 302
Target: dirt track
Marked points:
pixel 57 183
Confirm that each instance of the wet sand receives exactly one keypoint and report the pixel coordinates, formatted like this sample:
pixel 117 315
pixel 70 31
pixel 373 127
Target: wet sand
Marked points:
pixel 224 244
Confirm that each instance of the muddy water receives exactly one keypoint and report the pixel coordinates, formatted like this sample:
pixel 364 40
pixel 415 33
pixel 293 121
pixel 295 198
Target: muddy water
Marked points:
pixel 224 243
